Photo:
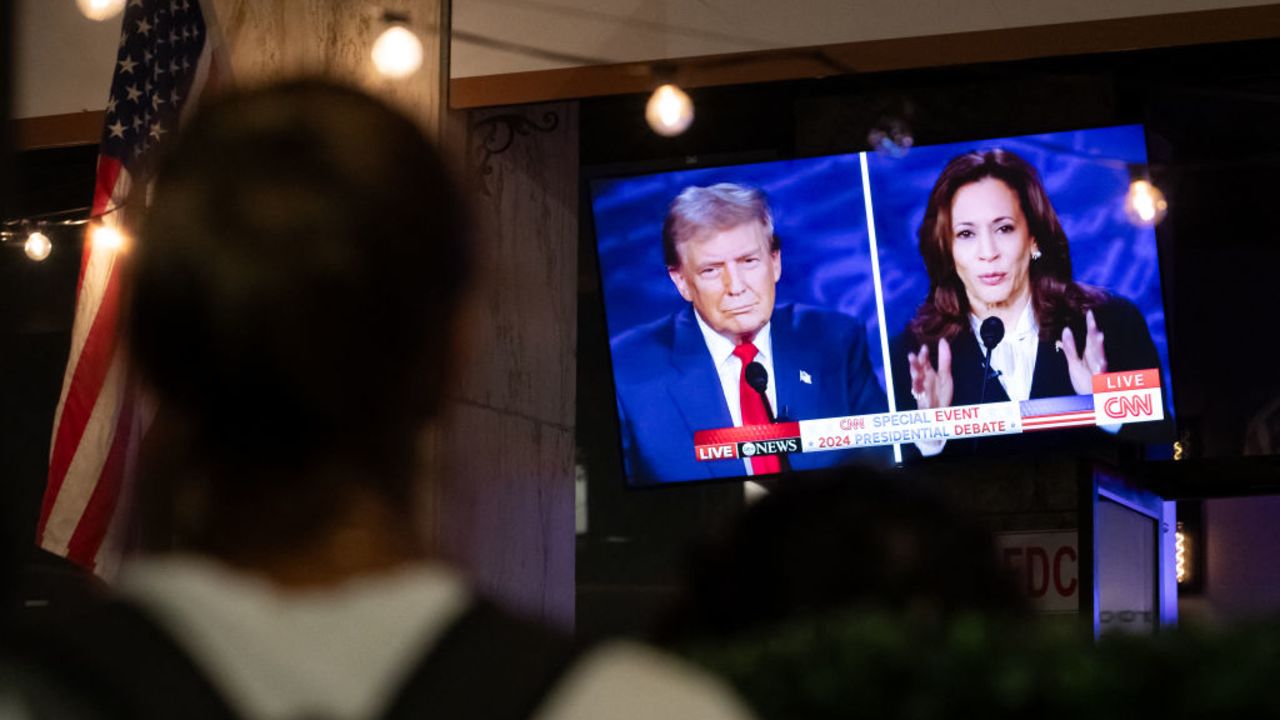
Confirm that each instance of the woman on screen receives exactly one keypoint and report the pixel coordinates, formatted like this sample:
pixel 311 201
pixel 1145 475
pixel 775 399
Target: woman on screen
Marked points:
pixel 994 248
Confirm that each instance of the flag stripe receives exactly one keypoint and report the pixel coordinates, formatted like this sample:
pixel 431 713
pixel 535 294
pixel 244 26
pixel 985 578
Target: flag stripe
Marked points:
pixel 1036 423
pixel 96 518
pixel 92 366
pixel 1057 418
pixel 1060 424
pixel 97 266
pixel 86 310
pixel 1050 416
pixel 86 464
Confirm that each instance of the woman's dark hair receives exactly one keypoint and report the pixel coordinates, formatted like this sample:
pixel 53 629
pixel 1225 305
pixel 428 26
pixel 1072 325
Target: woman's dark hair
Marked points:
pixel 1058 300
pixel 295 291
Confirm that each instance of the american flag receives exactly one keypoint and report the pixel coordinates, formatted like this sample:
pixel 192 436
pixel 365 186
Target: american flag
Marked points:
pixel 165 61
pixel 1057 412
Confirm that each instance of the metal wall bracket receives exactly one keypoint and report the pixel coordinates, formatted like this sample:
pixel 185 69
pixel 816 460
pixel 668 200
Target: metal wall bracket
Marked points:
pixel 495 134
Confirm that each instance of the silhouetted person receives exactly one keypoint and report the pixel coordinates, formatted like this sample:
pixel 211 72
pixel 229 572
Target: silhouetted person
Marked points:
pixel 847 539
pixel 295 312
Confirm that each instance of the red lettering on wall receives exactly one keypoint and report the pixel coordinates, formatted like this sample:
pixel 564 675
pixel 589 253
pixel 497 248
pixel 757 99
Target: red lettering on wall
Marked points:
pixel 1037 582
pixel 1064 589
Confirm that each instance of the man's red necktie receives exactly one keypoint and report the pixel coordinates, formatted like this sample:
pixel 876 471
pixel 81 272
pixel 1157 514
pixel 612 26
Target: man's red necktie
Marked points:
pixel 753 410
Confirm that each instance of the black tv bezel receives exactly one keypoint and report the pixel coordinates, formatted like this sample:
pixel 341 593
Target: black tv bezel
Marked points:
pixel 907 82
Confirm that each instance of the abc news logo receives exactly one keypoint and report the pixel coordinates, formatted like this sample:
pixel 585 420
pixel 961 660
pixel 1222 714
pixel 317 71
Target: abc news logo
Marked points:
pixel 729 451
pixel 769 447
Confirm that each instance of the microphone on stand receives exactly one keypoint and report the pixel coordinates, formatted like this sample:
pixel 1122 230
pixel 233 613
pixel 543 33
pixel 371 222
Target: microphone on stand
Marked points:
pixel 758 378
pixel 992 332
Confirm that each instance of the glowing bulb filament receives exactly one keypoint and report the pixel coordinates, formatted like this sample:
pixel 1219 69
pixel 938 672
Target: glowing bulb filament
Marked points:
pixel 1145 204
pixel 397 52
pixel 669 108
pixel 669 111
pixel 100 9
pixel 107 238
pixel 37 246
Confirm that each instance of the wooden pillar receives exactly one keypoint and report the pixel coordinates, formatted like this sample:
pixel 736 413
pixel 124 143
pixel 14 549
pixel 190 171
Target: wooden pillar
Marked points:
pixel 273 39
pixel 505 508
pixel 499 478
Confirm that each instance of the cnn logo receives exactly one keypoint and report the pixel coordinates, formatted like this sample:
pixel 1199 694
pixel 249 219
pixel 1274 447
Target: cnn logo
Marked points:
pixel 1121 407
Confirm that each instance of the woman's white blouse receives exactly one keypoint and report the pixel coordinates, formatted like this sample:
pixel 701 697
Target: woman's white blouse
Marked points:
pixel 1014 357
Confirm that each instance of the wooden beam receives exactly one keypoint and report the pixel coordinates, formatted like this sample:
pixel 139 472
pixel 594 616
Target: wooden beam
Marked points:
pixel 1006 44
pixel 51 131
pixel 1095 36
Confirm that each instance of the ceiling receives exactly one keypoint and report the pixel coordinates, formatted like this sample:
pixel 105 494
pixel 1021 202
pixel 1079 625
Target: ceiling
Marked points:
pixel 65 61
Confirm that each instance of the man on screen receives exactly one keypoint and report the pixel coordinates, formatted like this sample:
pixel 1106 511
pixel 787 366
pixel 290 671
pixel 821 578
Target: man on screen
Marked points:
pixel 688 371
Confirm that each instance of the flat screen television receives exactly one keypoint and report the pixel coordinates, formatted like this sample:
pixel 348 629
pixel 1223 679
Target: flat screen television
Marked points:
pixel 789 315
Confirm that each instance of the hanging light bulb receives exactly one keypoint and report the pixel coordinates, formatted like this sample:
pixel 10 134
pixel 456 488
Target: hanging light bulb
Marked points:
pixel 38 246
pixel 397 52
pixel 106 238
pixel 670 111
pixel 1145 204
pixel 100 9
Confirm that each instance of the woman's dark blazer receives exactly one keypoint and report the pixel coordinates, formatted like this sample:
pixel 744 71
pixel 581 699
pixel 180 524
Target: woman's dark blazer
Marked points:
pixel 1128 346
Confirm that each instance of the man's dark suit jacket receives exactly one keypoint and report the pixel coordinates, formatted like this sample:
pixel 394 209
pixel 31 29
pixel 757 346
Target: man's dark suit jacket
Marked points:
pixel 1128 346
pixel 668 388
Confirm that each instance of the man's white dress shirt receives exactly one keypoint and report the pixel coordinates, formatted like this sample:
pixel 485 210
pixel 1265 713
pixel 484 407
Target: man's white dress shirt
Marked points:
pixel 729 368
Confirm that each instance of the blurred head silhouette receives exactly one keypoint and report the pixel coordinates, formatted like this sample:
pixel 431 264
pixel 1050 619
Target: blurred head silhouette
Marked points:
pixel 293 310
pixel 847 538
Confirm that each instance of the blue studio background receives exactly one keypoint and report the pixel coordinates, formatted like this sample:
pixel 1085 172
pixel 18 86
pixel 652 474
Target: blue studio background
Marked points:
pixel 818 214
pixel 1085 175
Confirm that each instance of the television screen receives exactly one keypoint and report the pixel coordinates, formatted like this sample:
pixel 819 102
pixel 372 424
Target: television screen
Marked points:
pixel 950 300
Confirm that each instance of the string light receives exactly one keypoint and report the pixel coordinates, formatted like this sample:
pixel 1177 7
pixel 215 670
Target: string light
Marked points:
pixel 669 111
pixel 1182 555
pixel 37 246
pixel 106 237
pixel 34 233
pixel 397 53
pixel 100 9
pixel 1144 204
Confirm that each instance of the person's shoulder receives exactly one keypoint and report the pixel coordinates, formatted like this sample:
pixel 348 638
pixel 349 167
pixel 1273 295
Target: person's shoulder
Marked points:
pixel 637 352
pixel 628 681
pixel 1115 303
pixel 1116 308
pixel 102 659
pixel 904 340
pixel 31 692
pixel 659 332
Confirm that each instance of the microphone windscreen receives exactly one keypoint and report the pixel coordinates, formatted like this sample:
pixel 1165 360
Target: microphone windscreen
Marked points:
pixel 992 332
pixel 757 377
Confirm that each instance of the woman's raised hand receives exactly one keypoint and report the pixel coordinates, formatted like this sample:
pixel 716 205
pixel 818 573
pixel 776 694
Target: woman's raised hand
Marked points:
pixel 1093 361
pixel 931 388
